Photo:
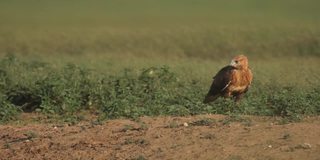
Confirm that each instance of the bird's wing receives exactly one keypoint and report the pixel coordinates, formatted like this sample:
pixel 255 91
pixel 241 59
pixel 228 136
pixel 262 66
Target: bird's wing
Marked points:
pixel 220 82
pixel 223 78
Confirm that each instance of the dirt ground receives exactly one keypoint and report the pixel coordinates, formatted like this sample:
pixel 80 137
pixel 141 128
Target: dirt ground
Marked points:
pixel 196 137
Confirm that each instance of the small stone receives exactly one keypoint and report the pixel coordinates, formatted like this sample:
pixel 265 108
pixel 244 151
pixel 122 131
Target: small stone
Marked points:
pixel 185 124
pixel 303 146
pixel 307 145
pixel 269 146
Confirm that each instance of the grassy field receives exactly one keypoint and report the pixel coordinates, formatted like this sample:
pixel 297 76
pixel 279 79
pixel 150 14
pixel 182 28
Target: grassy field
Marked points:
pixel 133 58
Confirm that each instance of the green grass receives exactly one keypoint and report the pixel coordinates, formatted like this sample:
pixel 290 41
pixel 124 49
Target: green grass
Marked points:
pixel 177 89
pixel 198 42
pixel 133 58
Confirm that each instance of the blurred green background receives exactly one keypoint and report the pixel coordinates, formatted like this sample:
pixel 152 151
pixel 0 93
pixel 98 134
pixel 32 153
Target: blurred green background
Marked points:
pixel 182 28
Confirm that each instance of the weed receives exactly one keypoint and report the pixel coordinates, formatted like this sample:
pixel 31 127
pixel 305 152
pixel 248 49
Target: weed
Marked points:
pixel 72 119
pixel 7 110
pixel 140 157
pixel 203 122
pixel 207 136
pixel 127 128
pixel 31 135
pixel 236 118
pixel 128 141
pixel 96 122
pixel 143 125
pixel 173 124
pixel 234 157
pixel 285 120
pixel 7 146
pixel 286 136
pixel 141 142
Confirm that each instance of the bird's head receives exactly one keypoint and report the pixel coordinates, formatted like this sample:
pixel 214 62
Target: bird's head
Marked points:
pixel 240 62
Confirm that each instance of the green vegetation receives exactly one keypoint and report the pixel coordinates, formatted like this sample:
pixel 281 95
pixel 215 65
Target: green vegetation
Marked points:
pixel 134 58
pixel 152 91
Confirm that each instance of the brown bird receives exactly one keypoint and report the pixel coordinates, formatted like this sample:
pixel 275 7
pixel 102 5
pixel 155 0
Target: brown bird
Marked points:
pixel 231 81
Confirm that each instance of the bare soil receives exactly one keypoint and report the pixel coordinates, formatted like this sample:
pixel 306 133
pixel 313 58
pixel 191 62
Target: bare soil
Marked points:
pixel 196 137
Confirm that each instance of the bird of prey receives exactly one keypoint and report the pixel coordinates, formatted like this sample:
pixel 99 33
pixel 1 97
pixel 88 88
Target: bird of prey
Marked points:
pixel 231 81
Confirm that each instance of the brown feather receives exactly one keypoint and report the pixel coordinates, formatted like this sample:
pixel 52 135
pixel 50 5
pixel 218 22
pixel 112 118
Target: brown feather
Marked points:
pixel 231 81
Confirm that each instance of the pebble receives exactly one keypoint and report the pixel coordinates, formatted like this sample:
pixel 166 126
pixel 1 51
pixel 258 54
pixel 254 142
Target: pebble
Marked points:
pixel 303 146
pixel 185 124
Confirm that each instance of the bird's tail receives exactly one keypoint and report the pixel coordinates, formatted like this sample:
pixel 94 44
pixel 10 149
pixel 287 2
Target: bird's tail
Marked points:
pixel 210 98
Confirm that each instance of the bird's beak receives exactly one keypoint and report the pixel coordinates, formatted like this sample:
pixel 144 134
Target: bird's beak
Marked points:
pixel 233 63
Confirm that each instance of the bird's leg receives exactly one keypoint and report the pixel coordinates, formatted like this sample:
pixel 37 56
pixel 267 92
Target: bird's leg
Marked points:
pixel 238 97
pixel 227 95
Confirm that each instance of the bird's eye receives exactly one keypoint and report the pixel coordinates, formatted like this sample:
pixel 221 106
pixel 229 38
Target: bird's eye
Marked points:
pixel 236 61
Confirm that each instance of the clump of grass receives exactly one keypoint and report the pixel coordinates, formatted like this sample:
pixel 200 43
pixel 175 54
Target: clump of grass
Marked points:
pixel 8 111
pixel 140 141
pixel 207 136
pixel 203 122
pixel 31 135
pixel 140 157
pixel 236 118
pixel 234 157
pixel 173 124
pixel 127 128
pixel 286 136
